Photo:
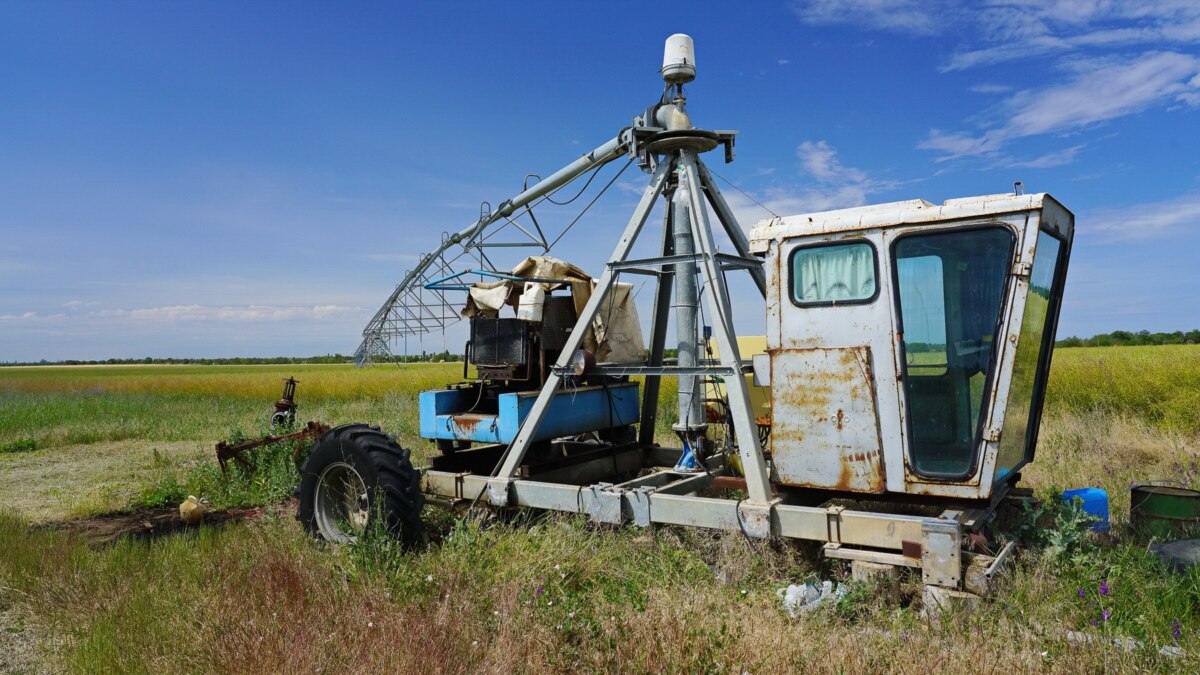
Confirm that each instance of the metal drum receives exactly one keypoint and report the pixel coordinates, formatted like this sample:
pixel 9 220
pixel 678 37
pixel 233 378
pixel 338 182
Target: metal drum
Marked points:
pixel 1164 510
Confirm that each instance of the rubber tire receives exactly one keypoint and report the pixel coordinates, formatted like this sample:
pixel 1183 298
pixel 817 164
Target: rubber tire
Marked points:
pixel 385 467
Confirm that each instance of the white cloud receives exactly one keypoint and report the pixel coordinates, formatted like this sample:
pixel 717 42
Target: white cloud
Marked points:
pixel 999 31
pixel 915 17
pixel 1050 159
pixel 1098 93
pixel 953 145
pixel 1191 96
pixel 243 313
pixel 1103 94
pixel 836 187
pixel 32 317
pixel 989 88
pixel 1144 221
pixel 1114 57
pixel 1020 30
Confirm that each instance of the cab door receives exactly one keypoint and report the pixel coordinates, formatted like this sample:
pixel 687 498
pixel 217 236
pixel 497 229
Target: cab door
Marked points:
pixel 825 429
pixel 951 286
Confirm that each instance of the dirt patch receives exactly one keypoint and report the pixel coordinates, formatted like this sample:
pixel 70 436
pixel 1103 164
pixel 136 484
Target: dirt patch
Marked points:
pixel 148 523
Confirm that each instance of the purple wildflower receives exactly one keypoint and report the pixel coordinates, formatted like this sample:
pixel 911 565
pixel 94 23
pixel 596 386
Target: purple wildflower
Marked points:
pixel 540 590
pixel 1176 630
pixel 1104 587
pixel 1082 593
pixel 1095 623
pixel 1106 615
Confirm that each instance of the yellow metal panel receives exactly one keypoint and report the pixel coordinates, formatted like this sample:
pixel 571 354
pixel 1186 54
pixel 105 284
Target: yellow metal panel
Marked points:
pixel 760 397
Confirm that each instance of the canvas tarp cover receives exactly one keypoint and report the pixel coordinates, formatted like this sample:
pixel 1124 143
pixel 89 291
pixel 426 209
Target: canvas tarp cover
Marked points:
pixel 616 332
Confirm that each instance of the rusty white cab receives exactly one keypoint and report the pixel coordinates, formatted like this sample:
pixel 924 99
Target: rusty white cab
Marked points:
pixel 908 344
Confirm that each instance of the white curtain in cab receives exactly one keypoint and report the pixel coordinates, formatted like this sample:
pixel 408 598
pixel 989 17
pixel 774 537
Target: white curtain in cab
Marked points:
pixel 834 273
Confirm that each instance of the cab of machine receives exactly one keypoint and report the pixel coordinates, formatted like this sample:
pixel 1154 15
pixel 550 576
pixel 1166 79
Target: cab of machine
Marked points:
pixel 909 343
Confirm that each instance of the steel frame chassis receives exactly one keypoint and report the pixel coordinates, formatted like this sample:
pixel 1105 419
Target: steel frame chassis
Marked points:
pixel 667 497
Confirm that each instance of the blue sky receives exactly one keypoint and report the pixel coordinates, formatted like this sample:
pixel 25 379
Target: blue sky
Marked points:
pixel 222 179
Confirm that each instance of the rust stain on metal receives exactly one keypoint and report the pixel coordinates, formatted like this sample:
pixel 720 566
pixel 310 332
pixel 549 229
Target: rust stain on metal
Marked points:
pixel 467 422
pixel 713 414
pixel 844 477
pixel 878 477
pixel 910 549
pixel 824 429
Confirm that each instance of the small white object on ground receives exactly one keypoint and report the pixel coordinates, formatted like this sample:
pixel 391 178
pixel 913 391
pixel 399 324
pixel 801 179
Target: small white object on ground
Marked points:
pixel 803 598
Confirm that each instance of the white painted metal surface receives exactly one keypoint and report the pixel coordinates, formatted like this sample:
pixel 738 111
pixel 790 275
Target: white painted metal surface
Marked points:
pixel 679 59
pixel 838 400
pixel 910 212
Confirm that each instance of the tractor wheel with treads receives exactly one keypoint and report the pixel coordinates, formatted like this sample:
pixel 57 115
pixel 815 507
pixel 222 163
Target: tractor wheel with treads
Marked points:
pixel 357 479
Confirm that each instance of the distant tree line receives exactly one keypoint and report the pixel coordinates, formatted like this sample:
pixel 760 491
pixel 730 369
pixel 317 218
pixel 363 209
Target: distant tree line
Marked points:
pixel 1124 338
pixel 239 360
pixel 436 357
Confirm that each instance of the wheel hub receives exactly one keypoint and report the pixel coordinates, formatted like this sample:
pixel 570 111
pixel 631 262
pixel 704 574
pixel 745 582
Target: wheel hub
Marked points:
pixel 342 504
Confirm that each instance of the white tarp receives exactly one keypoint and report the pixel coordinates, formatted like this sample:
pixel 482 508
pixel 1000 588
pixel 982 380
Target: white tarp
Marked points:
pixel 616 332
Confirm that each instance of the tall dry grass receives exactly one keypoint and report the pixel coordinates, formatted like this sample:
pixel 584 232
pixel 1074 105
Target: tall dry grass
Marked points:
pixel 551 595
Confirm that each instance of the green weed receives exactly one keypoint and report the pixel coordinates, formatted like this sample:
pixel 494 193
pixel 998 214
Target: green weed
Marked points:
pixel 269 476
pixel 18 445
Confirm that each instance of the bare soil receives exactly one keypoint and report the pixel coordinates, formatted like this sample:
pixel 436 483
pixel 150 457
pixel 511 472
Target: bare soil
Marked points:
pixel 147 523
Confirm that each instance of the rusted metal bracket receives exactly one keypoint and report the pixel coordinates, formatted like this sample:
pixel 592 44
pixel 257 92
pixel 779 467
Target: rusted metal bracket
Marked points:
pixel 226 452
pixel 285 407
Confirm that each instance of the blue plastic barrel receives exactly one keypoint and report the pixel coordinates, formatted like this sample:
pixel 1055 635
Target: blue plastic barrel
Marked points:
pixel 1095 502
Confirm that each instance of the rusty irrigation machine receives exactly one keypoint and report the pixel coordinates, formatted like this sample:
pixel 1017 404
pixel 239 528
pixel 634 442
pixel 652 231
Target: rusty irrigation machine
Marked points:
pixel 886 413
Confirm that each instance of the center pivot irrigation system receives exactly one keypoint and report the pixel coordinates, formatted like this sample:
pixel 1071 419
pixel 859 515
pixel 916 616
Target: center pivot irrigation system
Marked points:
pixel 887 411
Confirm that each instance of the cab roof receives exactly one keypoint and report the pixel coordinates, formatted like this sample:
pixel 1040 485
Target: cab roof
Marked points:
pixel 909 212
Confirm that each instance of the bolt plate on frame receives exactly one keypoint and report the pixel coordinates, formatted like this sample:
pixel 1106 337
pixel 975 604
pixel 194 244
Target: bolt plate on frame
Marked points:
pixel 755 519
pixel 639 500
pixel 497 489
pixel 603 503
pixel 941 553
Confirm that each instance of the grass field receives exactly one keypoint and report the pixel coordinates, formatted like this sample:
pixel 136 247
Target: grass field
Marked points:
pixel 544 593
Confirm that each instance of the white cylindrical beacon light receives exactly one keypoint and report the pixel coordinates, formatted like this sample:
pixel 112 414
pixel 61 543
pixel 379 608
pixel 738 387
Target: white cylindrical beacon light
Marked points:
pixel 679 59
